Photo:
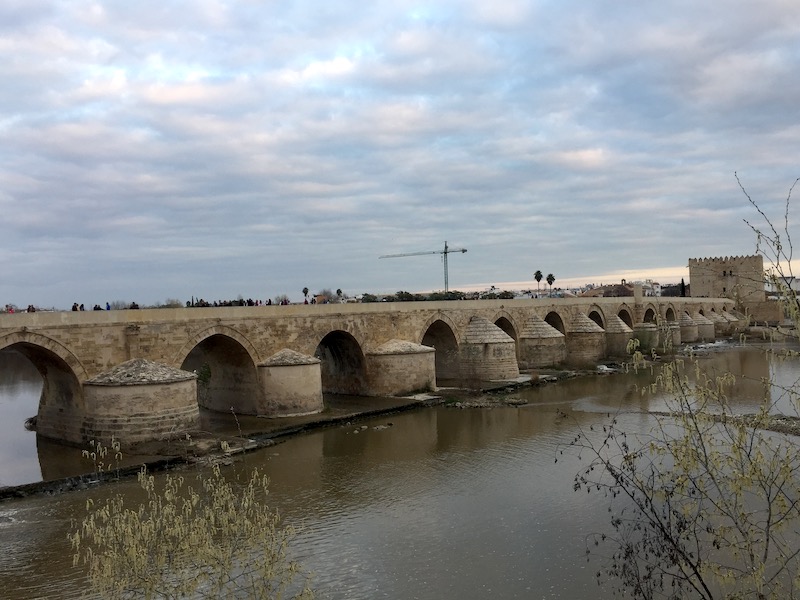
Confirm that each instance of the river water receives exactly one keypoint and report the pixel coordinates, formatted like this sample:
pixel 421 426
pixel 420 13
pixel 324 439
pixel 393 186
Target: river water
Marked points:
pixel 434 503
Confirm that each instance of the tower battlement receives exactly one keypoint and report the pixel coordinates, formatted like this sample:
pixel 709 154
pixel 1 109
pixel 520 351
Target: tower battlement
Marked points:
pixel 737 277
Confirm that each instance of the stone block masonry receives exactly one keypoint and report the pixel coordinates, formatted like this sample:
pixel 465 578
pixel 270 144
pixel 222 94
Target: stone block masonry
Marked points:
pixel 228 354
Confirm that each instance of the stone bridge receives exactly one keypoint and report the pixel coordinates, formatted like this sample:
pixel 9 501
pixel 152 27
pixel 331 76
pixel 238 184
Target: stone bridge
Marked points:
pixel 138 374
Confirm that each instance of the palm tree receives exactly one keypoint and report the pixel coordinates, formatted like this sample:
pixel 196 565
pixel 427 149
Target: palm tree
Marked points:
pixel 550 280
pixel 538 277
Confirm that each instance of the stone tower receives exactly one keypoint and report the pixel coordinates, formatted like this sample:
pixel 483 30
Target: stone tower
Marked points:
pixel 738 277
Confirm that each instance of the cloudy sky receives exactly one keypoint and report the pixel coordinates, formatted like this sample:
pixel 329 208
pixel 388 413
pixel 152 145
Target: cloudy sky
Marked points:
pixel 154 150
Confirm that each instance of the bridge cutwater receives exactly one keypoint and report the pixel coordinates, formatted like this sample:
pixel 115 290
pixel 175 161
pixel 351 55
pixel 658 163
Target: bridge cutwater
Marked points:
pixel 141 374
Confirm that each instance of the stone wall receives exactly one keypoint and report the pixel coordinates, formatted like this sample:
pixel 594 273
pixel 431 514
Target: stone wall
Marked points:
pixel 71 348
pixel 740 278
pixel 398 367
pixel 292 385
pixel 139 401
pixel 767 312
pixel 140 413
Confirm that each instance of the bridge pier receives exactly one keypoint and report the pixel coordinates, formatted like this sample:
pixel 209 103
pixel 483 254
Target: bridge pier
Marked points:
pixel 139 401
pixel 705 327
pixel 399 367
pixel 586 341
pixel 618 334
pixel 291 385
pixel 688 328
pixel 487 353
pixel 540 345
pixel 721 326
pixel 674 333
pixel 648 336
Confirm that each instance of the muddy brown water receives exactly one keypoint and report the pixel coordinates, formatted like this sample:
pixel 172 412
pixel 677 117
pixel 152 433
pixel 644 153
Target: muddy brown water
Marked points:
pixel 433 503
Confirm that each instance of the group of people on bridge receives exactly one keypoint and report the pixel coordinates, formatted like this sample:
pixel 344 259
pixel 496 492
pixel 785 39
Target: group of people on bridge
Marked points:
pixel 78 307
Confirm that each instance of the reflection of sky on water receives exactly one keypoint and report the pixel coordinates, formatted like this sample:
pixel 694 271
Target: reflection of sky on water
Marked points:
pixel 446 503
pixel 753 367
pixel 20 387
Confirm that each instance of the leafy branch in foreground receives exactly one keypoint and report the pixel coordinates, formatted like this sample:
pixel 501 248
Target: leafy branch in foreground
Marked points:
pixel 707 505
pixel 218 540
pixel 777 246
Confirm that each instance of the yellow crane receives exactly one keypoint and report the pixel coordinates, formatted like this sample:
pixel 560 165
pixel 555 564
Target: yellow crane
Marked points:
pixel 447 250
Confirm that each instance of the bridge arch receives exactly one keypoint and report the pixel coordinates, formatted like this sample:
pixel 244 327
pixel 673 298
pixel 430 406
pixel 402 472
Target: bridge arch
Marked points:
pixel 506 322
pixel 625 312
pixel 204 334
pixel 669 314
pixel 626 317
pixel 555 321
pixel 342 364
pixel 650 314
pixel 225 363
pixel 61 409
pixel 595 313
pixel 440 335
pixel 56 348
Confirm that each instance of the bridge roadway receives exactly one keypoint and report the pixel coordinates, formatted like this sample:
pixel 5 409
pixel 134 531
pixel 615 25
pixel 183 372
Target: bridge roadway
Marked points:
pixel 244 356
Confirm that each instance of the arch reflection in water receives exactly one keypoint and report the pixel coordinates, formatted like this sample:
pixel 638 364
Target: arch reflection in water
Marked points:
pixel 20 391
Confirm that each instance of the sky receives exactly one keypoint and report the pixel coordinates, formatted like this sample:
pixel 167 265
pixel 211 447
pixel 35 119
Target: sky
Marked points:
pixel 211 149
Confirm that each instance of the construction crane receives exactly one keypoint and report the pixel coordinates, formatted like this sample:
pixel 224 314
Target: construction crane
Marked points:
pixel 447 250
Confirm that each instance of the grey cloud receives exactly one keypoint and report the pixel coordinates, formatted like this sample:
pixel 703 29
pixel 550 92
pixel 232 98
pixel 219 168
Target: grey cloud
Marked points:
pixel 243 146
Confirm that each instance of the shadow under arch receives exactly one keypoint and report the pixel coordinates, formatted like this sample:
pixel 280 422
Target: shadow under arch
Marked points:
pixel 342 367
pixel 649 315
pixel 440 336
pixel 555 321
pixel 225 363
pixel 505 323
pixel 61 409
pixel 626 317
pixel 669 315
pixel 46 343
pixel 597 316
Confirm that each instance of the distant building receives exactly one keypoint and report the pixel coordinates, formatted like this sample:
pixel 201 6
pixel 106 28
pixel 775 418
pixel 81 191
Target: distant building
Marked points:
pixel 650 288
pixel 738 277
pixel 615 290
